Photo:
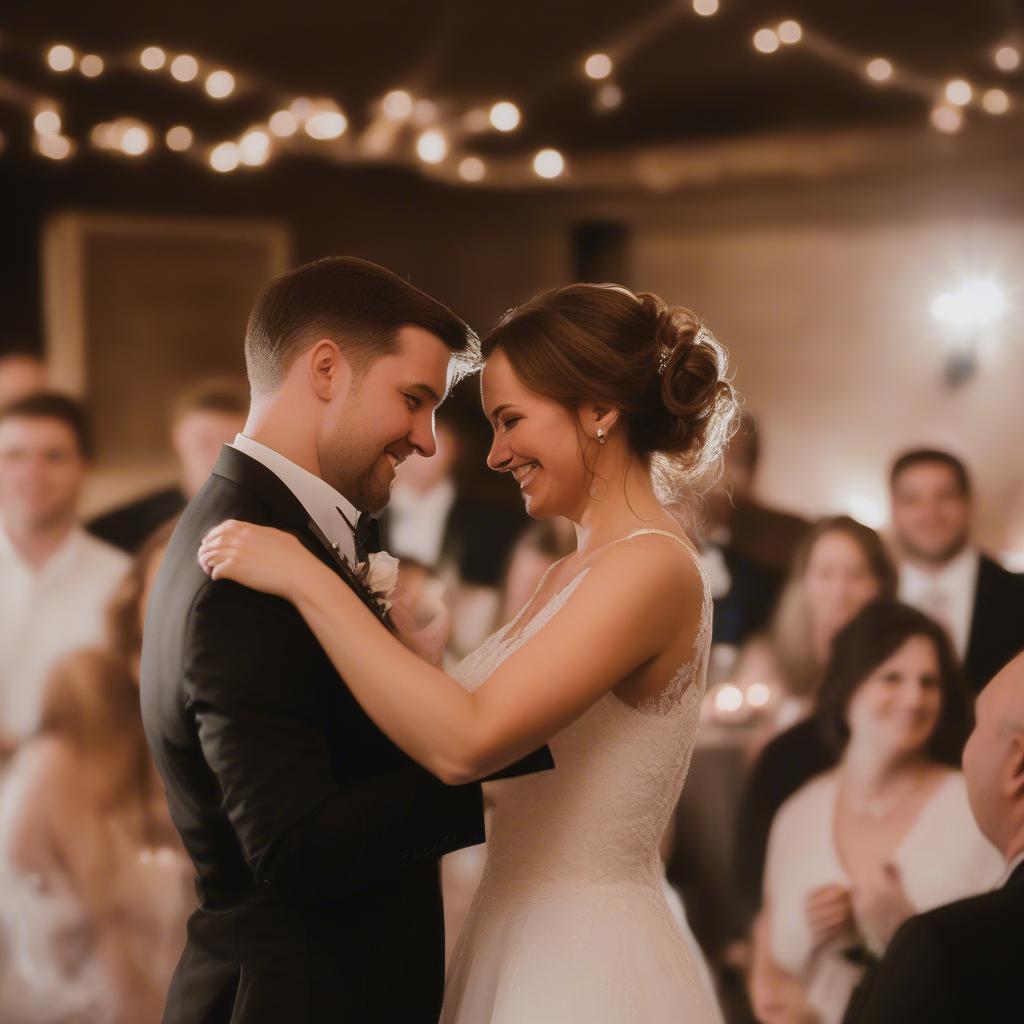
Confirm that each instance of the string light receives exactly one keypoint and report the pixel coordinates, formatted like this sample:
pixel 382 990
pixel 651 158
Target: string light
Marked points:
pixel 598 66
pixel 766 41
pixel 432 146
pixel 879 70
pixel 608 97
pixel 326 124
pixel 549 163
pixel 178 138
pixel 225 157
pixel 152 58
pixel 184 67
pixel 995 101
pixel 397 105
pixel 505 116
pixel 53 147
pixel 283 123
pixel 1007 58
pixel 91 65
pixel 758 695
pixel 472 169
pixel 254 147
pixel 135 140
pixel 790 32
pixel 705 8
pixel 301 108
pixel 947 119
pixel 60 58
pixel 220 84
pixel 47 122
pixel 959 92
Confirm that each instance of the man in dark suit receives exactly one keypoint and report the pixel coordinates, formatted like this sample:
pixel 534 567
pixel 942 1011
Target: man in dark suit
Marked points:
pixel 980 603
pixel 961 962
pixel 315 840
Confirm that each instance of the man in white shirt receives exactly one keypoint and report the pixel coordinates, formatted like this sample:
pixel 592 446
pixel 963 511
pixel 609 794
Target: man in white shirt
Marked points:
pixel 55 580
pixel 980 604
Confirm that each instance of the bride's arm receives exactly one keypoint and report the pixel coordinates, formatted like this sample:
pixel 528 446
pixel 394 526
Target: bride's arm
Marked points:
pixel 626 610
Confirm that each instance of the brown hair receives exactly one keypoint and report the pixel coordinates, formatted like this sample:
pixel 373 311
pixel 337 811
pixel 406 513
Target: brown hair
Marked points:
pixel 124 631
pixel 654 362
pixel 871 638
pixel 791 624
pixel 934 457
pixel 51 405
pixel 92 702
pixel 358 305
pixel 223 394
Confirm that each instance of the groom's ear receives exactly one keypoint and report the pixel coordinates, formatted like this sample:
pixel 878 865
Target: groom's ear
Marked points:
pixel 329 372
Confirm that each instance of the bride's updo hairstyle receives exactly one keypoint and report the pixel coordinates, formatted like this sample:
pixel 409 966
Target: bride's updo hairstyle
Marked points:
pixel 656 363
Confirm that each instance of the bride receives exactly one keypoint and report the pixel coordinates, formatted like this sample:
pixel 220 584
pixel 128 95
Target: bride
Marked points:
pixel 603 403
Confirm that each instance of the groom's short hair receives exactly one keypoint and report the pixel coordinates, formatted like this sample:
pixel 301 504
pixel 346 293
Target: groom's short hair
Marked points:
pixel 358 305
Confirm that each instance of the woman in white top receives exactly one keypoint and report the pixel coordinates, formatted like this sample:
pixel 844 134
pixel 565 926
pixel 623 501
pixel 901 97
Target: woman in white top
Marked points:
pixel 853 853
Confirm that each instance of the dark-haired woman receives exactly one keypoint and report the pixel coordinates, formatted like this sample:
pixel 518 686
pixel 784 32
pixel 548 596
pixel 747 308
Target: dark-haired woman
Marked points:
pixel 886 834
pixel 597 396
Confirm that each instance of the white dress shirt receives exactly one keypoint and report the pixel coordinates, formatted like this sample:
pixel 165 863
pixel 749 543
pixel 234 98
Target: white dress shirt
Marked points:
pixel 315 494
pixel 947 594
pixel 46 613
pixel 417 522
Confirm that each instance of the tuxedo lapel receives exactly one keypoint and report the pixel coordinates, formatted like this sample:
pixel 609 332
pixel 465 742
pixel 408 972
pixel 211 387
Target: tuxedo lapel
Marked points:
pixel 290 514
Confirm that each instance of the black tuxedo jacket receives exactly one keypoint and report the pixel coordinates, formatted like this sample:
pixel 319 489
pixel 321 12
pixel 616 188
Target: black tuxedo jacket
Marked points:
pixel 315 839
pixel 997 623
pixel 956 964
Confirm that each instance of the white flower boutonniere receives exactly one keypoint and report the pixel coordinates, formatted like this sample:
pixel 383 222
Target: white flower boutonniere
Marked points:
pixel 379 574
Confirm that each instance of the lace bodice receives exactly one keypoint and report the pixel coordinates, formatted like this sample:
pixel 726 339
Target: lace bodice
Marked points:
pixel 599 816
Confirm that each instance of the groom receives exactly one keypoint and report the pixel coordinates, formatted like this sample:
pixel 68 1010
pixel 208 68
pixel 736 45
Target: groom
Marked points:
pixel 315 840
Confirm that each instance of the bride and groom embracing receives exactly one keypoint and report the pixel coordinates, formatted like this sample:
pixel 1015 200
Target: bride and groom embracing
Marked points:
pixel 317 760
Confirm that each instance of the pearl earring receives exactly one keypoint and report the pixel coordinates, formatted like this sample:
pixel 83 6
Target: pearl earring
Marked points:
pixel 601 435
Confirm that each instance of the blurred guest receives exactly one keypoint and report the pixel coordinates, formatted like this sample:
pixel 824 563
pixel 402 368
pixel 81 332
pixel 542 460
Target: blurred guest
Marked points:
pixel 746 546
pixel 763 536
pixel 962 962
pixel 852 853
pixel 205 418
pixel 943 573
pixel 839 568
pixel 541 545
pixel 96 885
pixel 55 580
pixel 422 497
pixel 22 373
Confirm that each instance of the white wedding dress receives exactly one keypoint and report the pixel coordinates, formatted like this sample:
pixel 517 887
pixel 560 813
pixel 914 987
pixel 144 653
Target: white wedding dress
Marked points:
pixel 570 923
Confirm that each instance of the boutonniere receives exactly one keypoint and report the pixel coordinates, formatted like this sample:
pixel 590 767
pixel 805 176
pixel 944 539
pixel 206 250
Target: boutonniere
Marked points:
pixel 379 575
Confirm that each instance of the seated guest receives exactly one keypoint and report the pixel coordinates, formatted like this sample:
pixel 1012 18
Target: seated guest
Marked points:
pixel 22 373
pixel 205 418
pixel 55 580
pixel 839 568
pixel 852 854
pixel 95 886
pixel 962 962
pixel 944 574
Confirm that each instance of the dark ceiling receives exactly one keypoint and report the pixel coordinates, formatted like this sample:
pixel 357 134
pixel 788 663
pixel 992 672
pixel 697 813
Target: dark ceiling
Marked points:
pixel 697 78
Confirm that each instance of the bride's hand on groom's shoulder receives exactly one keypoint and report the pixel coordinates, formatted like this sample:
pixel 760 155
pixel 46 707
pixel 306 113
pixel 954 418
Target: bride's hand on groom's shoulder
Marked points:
pixel 258 557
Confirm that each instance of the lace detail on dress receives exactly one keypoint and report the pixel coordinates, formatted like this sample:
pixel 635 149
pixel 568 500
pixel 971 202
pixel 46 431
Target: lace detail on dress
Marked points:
pixel 570 922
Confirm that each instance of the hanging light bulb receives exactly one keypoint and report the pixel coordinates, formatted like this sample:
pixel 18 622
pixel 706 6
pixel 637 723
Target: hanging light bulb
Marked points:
pixel 91 65
pixel 178 138
pixel 548 163
pixel 47 122
pixel 609 97
pixel 705 8
pixel 766 41
pixel 152 58
pixel 225 157
pixel 879 70
pixel 472 169
pixel 598 66
pixel 947 119
pixel 60 58
pixel 790 32
pixel 397 105
pixel 184 67
pixel 220 84
pixel 1007 58
pixel 283 123
pixel 432 146
pixel 959 92
pixel 505 116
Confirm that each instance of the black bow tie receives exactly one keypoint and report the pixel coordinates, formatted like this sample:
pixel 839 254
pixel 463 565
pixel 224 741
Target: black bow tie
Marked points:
pixel 366 536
